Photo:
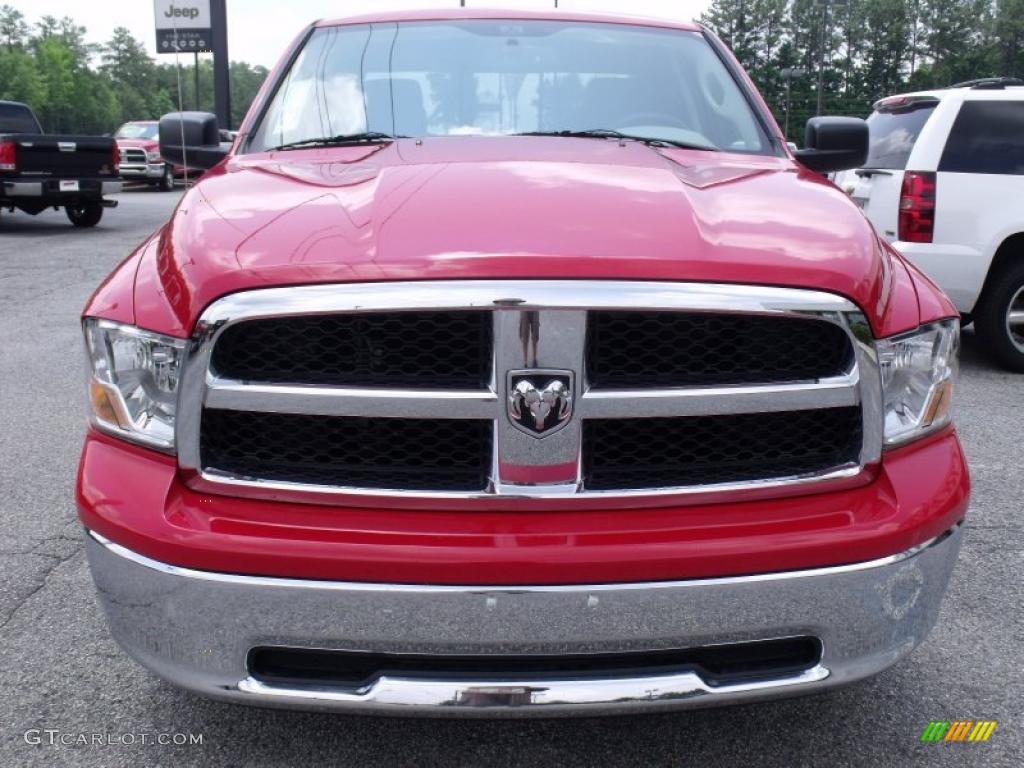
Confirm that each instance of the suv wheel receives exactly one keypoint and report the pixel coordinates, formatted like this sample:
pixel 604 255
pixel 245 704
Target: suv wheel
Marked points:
pixel 84 214
pixel 999 319
pixel 167 180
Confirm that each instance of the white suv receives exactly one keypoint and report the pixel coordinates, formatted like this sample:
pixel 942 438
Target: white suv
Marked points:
pixel 944 182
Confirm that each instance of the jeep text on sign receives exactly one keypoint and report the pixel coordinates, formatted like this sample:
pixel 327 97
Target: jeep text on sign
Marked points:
pixel 182 14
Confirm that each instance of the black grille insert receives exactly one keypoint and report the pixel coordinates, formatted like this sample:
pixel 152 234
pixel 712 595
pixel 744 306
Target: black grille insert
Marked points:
pixel 629 349
pixel 351 670
pixel 391 453
pixel 621 454
pixel 449 350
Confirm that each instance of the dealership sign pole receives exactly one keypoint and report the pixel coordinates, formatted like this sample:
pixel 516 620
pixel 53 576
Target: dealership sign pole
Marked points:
pixel 221 79
pixel 198 26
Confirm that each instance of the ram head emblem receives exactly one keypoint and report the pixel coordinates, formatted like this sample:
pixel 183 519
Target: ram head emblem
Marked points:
pixel 540 401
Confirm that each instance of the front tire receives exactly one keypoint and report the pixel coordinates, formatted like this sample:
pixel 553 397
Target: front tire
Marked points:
pixel 87 214
pixel 999 318
pixel 167 180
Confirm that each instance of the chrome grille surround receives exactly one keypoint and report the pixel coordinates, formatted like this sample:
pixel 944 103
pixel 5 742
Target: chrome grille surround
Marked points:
pixel 527 470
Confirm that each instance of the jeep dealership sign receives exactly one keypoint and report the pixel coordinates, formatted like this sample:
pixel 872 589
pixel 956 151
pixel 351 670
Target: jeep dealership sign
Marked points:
pixel 183 25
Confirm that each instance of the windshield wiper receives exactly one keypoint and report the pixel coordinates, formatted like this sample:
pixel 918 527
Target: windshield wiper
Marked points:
pixel 342 139
pixel 610 133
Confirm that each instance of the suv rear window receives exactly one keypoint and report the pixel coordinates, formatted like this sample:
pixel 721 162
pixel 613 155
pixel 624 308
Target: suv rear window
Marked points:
pixel 893 133
pixel 987 137
pixel 15 118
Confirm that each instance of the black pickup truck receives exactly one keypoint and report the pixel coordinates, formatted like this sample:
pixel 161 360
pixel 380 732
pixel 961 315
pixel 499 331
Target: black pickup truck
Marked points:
pixel 38 170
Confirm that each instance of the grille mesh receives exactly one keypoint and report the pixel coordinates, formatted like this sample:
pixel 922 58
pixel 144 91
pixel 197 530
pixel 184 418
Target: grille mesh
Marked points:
pixel 452 455
pixel 623 454
pixel 450 350
pixel 672 349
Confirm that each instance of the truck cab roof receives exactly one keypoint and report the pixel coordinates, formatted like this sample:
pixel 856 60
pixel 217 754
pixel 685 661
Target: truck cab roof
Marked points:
pixel 455 14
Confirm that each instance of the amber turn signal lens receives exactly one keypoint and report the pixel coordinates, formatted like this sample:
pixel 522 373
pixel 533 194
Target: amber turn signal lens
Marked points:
pixel 103 405
pixel 939 403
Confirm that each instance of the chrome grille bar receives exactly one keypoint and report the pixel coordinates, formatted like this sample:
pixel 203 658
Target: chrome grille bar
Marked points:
pixel 717 401
pixel 537 324
pixel 600 403
pixel 349 401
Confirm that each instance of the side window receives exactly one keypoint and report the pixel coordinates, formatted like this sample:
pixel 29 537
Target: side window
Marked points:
pixel 987 137
pixel 321 95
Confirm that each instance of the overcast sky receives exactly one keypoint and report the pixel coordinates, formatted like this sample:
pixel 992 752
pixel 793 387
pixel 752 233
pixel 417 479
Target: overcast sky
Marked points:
pixel 259 30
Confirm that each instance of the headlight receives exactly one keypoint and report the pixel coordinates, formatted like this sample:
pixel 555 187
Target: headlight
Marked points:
pixel 918 372
pixel 133 382
pixel 153 157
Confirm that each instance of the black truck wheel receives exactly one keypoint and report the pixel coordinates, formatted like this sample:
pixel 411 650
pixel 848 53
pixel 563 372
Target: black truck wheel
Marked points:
pixel 167 180
pixel 87 214
pixel 999 318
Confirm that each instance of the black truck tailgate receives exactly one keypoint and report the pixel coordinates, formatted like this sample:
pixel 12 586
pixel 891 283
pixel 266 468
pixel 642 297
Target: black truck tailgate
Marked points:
pixel 66 157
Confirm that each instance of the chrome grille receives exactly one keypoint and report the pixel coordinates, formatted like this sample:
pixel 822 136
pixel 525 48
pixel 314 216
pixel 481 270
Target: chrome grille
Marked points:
pixel 133 156
pixel 423 392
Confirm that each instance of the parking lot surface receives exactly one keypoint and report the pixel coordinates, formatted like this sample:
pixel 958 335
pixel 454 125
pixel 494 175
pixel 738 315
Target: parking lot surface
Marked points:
pixel 62 672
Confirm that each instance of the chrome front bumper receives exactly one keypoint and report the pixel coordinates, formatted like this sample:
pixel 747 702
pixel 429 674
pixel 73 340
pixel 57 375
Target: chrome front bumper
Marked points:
pixel 195 629
pixel 142 171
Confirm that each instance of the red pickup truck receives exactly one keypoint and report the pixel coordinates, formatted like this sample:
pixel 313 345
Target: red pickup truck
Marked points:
pixel 511 363
pixel 140 155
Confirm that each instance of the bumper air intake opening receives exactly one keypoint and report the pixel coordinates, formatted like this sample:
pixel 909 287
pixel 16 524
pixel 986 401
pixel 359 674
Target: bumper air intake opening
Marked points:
pixel 354 670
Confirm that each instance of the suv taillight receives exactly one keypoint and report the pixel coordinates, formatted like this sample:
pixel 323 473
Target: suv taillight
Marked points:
pixel 8 156
pixel 917 207
pixel 116 162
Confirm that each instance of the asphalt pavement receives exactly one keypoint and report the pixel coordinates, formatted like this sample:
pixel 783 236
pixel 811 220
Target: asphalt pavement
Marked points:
pixel 61 672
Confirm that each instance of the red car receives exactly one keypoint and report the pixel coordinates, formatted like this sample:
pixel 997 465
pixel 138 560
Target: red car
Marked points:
pixel 511 363
pixel 140 155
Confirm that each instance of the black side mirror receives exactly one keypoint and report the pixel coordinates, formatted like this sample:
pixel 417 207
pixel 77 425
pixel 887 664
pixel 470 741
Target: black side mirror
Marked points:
pixel 191 139
pixel 834 144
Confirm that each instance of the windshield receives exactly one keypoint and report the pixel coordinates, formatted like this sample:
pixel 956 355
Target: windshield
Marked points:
pixel 137 131
pixel 497 77
pixel 892 135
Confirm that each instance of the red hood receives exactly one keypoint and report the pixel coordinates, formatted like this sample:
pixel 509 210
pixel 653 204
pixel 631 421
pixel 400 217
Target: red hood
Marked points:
pixel 150 145
pixel 476 207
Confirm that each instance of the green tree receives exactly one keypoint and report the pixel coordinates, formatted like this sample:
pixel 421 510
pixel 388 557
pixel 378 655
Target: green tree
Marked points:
pixel 1008 37
pixel 246 81
pixel 56 68
pixel 730 19
pixel 13 28
pixel 98 113
pixel 886 47
pixel 73 37
pixel 20 79
pixel 46 28
pixel 133 76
